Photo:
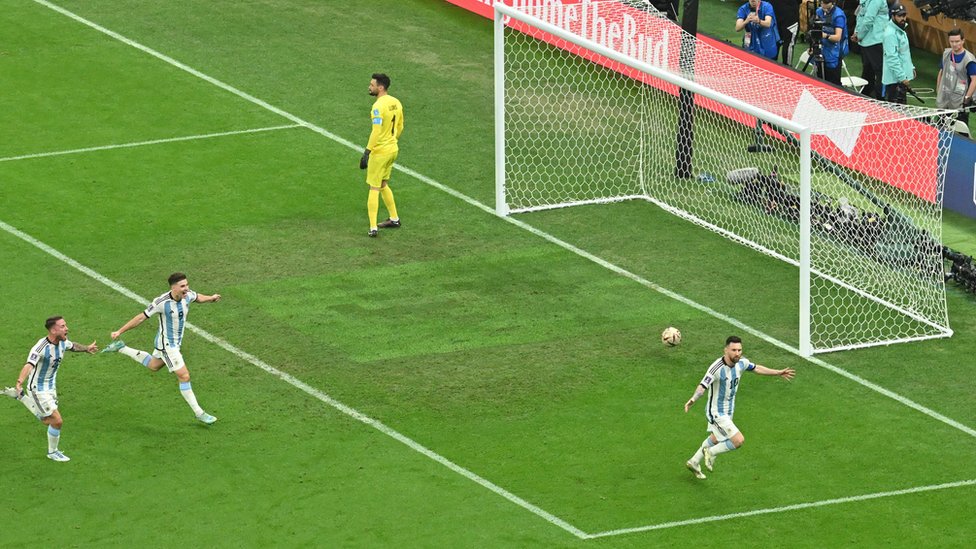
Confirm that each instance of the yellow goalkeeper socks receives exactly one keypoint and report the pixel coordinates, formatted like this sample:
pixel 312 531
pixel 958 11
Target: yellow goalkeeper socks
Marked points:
pixel 373 207
pixel 388 201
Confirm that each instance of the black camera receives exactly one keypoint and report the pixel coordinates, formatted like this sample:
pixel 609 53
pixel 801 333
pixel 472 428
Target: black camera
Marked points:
pixel 815 33
pixel 954 9
pixel 815 26
pixel 961 269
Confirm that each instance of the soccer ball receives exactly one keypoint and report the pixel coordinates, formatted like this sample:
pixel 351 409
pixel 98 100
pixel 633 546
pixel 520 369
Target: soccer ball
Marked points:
pixel 671 336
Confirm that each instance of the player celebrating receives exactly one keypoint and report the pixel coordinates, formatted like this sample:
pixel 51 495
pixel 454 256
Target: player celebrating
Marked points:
pixel 722 382
pixel 41 396
pixel 381 152
pixel 172 309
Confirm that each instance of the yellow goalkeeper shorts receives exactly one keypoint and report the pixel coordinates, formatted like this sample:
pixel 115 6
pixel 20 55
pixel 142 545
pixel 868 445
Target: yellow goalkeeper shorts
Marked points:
pixel 379 169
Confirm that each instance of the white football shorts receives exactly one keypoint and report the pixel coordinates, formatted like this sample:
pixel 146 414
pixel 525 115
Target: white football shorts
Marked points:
pixel 41 403
pixel 171 356
pixel 723 428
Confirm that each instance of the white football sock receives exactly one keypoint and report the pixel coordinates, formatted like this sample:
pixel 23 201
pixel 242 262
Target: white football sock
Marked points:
pixel 142 357
pixel 190 398
pixel 53 436
pixel 722 447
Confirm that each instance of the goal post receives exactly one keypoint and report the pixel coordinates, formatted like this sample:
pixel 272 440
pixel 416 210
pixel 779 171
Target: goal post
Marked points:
pixel 587 110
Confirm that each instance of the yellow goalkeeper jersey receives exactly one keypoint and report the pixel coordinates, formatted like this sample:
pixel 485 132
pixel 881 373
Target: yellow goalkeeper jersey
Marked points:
pixel 387 117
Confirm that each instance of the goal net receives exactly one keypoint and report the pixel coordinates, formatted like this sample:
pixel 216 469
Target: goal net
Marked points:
pixel 600 101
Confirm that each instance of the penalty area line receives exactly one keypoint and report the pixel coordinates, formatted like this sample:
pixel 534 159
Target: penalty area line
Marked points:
pixel 587 255
pixel 786 508
pixel 151 142
pixel 308 389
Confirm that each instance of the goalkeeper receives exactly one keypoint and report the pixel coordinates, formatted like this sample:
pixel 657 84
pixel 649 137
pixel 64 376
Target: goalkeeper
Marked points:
pixel 381 152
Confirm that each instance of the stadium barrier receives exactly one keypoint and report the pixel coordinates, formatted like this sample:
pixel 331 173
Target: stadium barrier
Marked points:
pixel 960 182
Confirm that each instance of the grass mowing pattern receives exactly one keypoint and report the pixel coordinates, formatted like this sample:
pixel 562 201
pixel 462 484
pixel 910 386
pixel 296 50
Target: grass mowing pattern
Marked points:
pixel 524 363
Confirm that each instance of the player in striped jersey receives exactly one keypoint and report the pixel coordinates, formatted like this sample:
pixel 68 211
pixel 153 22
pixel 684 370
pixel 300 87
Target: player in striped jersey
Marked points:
pixel 40 396
pixel 722 382
pixel 171 309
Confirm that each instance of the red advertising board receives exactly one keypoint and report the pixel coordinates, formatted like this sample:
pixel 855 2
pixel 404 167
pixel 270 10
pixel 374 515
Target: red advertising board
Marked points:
pixel 849 129
pixel 481 7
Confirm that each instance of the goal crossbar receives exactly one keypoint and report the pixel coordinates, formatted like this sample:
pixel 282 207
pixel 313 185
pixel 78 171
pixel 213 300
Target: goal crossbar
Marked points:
pixel 795 134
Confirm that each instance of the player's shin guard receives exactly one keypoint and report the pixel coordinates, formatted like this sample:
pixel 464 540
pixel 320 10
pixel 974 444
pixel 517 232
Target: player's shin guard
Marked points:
pixel 53 437
pixel 722 447
pixel 388 201
pixel 373 207
pixel 190 398
pixel 707 443
pixel 142 357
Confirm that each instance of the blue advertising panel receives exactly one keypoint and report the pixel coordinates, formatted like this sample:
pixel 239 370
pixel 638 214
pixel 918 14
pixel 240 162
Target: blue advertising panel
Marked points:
pixel 960 181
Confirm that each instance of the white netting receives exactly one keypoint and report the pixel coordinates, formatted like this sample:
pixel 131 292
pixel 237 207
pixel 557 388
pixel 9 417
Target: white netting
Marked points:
pixel 582 128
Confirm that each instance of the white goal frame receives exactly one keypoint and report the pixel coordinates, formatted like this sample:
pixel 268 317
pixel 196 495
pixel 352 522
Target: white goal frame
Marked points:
pixel 802 133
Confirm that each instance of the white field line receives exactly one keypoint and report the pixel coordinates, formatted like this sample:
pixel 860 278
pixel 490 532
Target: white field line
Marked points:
pixel 784 509
pixel 552 519
pixel 292 380
pixel 143 143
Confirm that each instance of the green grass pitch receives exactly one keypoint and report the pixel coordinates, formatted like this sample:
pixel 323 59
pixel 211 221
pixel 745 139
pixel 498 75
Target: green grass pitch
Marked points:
pixel 533 376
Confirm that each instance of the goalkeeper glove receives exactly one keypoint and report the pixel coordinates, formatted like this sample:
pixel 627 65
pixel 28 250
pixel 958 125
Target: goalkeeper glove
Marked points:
pixel 967 102
pixel 364 161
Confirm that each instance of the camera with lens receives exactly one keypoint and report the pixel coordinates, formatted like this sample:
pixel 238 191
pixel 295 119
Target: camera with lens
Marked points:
pixel 815 28
pixel 961 269
pixel 964 10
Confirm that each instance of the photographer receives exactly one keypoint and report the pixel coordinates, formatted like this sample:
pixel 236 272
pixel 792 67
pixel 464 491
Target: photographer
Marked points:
pixel 833 42
pixel 898 67
pixel 757 19
pixel 872 20
pixel 957 77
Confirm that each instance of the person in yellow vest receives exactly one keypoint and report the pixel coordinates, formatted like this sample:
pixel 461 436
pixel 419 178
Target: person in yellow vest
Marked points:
pixel 381 151
pixel 957 77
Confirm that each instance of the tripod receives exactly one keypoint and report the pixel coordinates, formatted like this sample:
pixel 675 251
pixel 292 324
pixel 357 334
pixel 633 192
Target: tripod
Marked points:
pixel 816 57
pixel 815 35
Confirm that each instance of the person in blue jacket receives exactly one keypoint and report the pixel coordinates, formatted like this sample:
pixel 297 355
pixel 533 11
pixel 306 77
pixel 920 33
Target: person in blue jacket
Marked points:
pixel 758 21
pixel 834 42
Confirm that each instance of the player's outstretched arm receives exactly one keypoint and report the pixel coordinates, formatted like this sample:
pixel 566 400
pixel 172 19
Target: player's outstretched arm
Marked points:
pixel 136 320
pixel 90 349
pixel 201 298
pixel 785 373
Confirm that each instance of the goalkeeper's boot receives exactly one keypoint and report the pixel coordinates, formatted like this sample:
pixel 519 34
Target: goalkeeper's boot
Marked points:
pixel 390 223
pixel 709 458
pixel 372 233
pixel 694 468
pixel 113 347
pixel 57 456
pixel 10 392
pixel 206 418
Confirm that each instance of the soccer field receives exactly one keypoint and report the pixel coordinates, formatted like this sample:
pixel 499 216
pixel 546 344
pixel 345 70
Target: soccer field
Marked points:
pixel 464 381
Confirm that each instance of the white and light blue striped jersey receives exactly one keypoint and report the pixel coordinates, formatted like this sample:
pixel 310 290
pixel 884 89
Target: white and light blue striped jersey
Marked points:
pixel 172 318
pixel 45 358
pixel 722 382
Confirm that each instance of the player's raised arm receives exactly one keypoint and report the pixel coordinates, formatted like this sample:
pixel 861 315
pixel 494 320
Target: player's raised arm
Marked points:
pixel 202 298
pixel 785 373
